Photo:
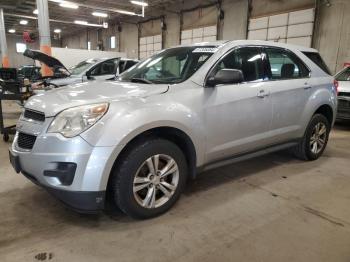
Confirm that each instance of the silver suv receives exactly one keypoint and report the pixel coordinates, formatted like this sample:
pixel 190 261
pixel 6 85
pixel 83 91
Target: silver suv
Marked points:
pixel 134 142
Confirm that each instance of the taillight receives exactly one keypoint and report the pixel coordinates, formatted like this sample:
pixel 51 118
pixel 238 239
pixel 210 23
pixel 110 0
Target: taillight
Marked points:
pixel 336 85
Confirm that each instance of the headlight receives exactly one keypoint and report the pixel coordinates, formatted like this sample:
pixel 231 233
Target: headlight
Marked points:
pixel 74 121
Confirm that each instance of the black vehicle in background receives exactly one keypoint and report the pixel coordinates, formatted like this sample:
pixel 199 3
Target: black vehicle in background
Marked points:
pixel 31 72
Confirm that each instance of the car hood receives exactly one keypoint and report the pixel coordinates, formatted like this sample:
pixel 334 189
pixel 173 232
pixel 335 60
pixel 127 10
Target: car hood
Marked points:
pixel 344 86
pixel 54 101
pixel 44 58
pixel 66 80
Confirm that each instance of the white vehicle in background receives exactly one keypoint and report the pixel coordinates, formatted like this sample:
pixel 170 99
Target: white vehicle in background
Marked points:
pixel 91 69
pixel 96 69
pixel 343 79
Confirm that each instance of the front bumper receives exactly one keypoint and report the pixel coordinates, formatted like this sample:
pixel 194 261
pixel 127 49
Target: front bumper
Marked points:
pixel 85 192
pixel 81 202
pixel 343 112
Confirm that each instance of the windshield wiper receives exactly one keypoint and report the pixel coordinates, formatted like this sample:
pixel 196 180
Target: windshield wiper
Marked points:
pixel 141 80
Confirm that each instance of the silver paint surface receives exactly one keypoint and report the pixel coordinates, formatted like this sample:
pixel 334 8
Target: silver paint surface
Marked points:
pixel 221 121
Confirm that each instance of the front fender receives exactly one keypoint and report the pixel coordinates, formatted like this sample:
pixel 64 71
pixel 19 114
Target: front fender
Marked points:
pixel 126 121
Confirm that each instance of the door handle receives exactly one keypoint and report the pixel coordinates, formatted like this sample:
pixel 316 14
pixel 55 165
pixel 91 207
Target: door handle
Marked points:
pixel 262 94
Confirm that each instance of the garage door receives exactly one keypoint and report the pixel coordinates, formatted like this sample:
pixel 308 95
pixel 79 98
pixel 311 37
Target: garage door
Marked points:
pixel 293 27
pixel 200 34
pixel 150 45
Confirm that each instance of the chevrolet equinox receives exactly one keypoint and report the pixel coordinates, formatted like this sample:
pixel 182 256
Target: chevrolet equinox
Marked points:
pixel 135 141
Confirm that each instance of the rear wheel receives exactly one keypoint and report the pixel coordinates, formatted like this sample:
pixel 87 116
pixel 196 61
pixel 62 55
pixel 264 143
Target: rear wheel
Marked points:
pixel 150 178
pixel 315 139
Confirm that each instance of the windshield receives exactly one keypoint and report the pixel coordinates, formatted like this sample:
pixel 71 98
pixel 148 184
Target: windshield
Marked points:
pixel 82 66
pixel 170 66
pixel 344 75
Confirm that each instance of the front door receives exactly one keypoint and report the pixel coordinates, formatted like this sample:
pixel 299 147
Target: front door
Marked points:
pixel 238 116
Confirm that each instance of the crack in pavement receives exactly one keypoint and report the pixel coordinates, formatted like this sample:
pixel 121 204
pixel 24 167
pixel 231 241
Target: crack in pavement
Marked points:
pixel 323 216
pixel 333 220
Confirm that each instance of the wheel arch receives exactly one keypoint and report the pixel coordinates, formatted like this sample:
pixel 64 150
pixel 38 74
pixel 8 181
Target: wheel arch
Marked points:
pixel 173 134
pixel 327 111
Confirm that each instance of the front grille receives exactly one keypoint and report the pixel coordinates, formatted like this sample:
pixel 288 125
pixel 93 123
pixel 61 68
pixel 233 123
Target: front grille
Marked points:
pixel 344 94
pixel 26 141
pixel 34 115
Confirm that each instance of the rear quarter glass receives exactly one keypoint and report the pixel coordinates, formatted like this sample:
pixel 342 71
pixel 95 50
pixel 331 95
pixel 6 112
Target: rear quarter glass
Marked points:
pixel 317 59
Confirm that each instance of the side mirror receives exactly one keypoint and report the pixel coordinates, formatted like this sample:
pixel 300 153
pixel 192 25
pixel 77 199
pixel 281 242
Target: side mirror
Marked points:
pixel 88 75
pixel 225 77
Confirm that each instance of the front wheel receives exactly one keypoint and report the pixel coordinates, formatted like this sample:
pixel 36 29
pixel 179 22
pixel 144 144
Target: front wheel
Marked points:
pixel 149 178
pixel 315 138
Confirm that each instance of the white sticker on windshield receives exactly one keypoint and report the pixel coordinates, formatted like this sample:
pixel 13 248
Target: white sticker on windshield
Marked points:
pixel 205 50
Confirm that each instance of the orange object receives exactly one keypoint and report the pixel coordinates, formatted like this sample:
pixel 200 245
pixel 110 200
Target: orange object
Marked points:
pixel 45 70
pixel 5 62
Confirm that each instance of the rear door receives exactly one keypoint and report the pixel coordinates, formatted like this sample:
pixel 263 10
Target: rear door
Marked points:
pixel 290 88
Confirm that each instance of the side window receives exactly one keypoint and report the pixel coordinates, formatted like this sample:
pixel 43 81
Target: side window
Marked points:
pixel 96 71
pixel 247 59
pixel 317 59
pixel 285 65
pixel 121 66
pixel 129 64
pixel 108 67
pixel 125 65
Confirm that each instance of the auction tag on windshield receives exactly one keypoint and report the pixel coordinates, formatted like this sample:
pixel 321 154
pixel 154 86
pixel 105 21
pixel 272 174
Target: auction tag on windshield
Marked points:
pixel 205 50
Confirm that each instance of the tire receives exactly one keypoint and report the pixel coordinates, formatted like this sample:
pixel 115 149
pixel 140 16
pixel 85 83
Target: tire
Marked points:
pixel 133 173
pixel 305 150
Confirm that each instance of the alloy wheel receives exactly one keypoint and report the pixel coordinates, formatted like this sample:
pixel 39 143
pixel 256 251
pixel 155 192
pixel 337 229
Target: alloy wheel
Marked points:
pixel 318 138
pixel 156 181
